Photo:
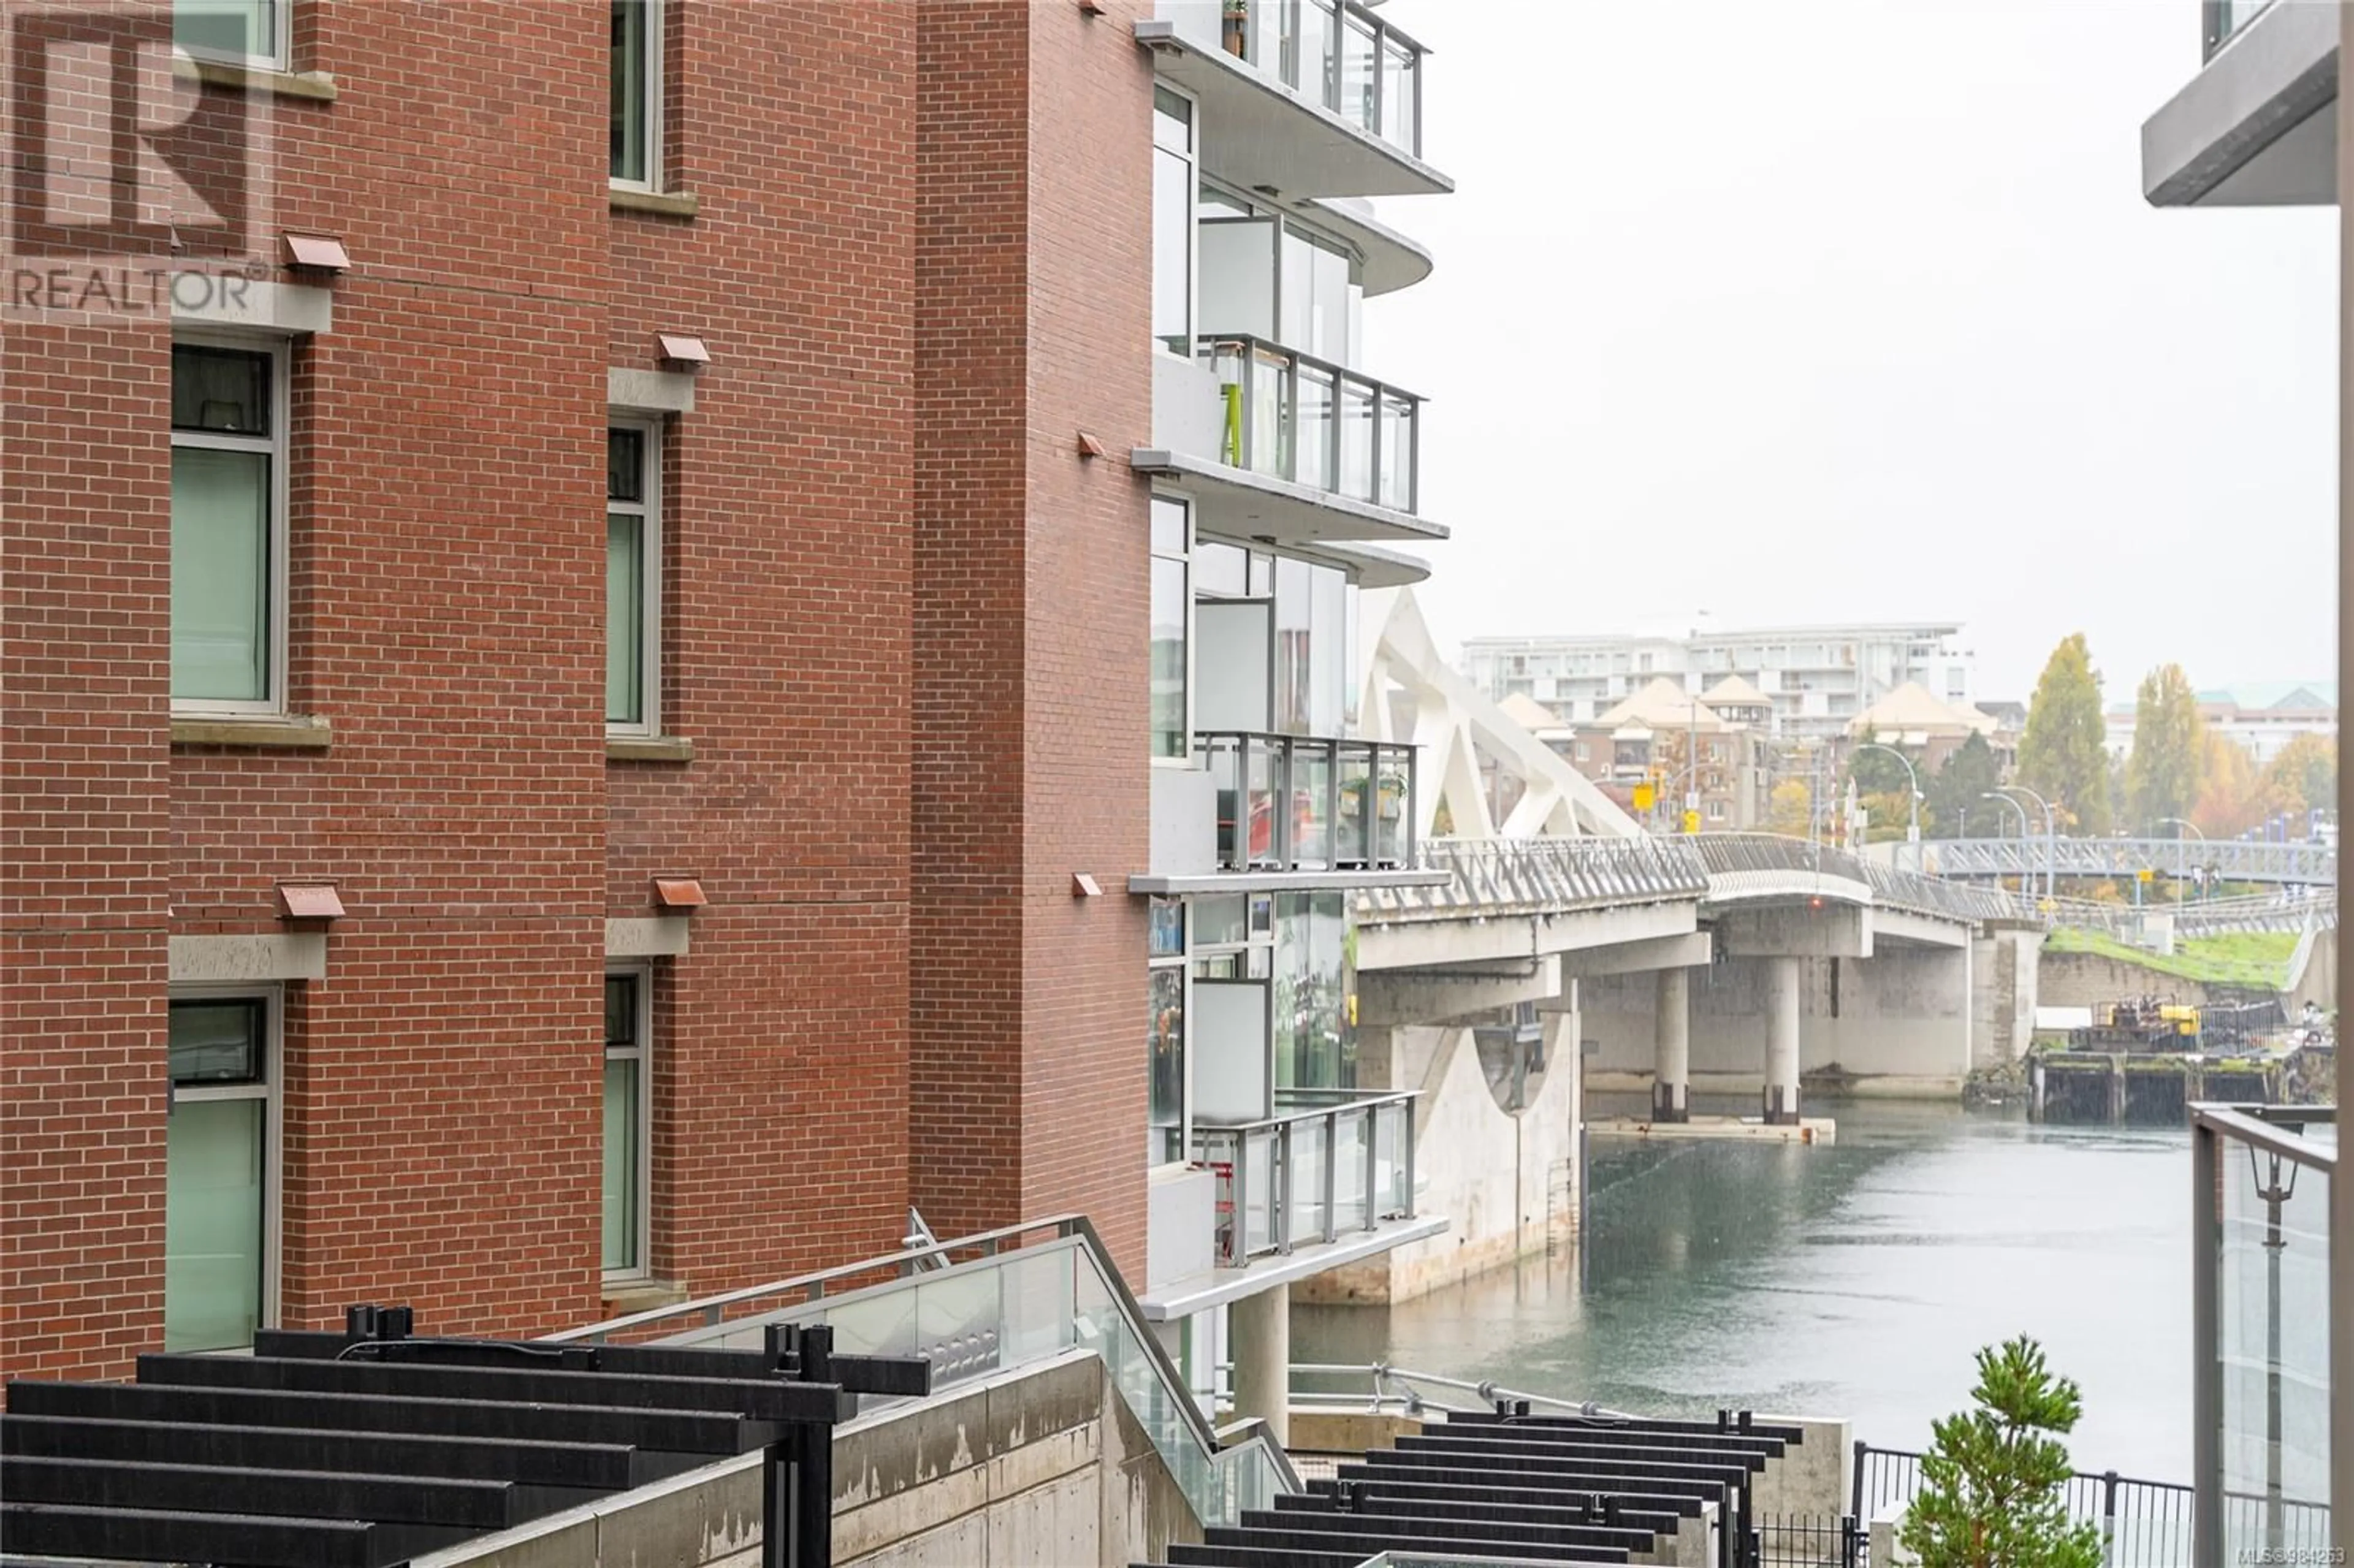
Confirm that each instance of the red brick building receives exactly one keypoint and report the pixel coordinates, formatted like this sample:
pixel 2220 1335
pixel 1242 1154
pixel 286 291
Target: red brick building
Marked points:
pixel 409 893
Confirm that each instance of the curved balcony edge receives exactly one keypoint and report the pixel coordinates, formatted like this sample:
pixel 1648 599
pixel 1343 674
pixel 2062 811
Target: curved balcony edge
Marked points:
pixel 1392 261
pixel 1241 504
pixel 1259 134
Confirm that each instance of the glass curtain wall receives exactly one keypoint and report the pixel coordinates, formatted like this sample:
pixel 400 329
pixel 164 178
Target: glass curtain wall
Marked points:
pixel 1172 221
pixel 1165 1040
pixel 1315 1040
pixel 1173 614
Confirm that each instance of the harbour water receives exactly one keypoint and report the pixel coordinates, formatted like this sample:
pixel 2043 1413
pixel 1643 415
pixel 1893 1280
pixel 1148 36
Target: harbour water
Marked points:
pixel 1849 1280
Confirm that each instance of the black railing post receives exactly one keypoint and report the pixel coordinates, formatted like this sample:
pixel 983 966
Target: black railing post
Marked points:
pixel 1855 1500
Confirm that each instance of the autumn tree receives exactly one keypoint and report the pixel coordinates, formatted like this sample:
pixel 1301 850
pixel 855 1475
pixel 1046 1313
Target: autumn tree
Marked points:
pixel 1957 805
pixel 2306 773
pixel 2234 797
pixel 2060 755
pixel 2170 747
pixel 1790 809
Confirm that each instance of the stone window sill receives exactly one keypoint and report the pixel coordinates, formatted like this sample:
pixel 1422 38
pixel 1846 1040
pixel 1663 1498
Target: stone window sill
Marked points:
pixel 256 734
pixel 622 1298
pixel 317 86
pixel 662 203
pixel 649 748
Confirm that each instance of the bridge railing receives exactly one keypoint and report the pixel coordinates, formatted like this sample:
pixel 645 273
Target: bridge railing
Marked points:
pixel 2305 863
pixel 1726 854
pixel 1541 874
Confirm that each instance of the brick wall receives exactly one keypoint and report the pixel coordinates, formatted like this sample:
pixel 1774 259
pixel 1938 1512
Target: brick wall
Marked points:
pixel 1028 1005
pixel 782 1102
pixel 84 605
pixel 440 1088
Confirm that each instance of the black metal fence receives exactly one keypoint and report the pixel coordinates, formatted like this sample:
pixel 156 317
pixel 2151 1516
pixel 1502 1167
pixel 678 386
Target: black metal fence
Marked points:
pixel 2143 1524
pixel 1810 1540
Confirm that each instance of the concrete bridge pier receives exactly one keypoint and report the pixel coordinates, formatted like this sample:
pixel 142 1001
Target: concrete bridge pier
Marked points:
pixel 1671 1061
pixel 1782 982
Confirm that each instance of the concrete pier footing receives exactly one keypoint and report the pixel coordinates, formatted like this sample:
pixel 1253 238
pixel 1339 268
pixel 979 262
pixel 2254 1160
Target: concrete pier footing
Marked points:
pixel 1782 1042
pixel 1672 1070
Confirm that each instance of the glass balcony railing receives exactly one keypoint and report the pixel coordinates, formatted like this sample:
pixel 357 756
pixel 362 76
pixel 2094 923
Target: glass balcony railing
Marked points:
pixel 1338 55
pixel 1330 1162
pixel 981 1305
pixel 1290 416
pixel 1288 802
pixel 2265 1268
pixel 2226 18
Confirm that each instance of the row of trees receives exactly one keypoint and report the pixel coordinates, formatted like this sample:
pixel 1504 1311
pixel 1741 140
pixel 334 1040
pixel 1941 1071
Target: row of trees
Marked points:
pixel 2178 770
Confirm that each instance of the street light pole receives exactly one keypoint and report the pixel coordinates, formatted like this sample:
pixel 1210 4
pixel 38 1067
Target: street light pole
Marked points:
pixel 2051 840
pixel 2182 855
pixel 2026 879
pixel 1912 781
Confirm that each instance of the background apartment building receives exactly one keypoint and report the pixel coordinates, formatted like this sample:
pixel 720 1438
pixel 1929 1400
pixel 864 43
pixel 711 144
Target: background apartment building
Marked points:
pixel 418 892
pixel 1817 678
pixel 2261 719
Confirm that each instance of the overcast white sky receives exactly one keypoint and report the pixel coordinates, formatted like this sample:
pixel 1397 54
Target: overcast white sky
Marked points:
pixel 1853 310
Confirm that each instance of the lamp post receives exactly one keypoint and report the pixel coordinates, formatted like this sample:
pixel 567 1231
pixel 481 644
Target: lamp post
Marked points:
pixel 1913 780
pixel 2182 855
pixel 2051 840
pixel 2026 880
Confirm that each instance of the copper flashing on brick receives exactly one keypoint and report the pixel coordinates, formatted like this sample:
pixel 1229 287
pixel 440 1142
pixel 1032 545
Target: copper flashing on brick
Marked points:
pixel 317 252
pixel 309 901
pixel 680 894
pixel 681 351
pixel 1090 446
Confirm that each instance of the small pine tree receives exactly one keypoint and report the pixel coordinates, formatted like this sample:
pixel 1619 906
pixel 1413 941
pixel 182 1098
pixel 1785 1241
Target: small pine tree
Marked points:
pixel 1992 1484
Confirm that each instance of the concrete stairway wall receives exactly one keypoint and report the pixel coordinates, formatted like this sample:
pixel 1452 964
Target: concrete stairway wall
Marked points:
pixel 1042 1468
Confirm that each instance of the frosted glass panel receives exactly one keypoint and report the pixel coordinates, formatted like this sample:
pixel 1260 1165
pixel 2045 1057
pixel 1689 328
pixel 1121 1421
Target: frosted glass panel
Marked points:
pixel 1229 1046
pixel 1231 644
pixel 1239 277
pixel 212 1223
pixel 220 574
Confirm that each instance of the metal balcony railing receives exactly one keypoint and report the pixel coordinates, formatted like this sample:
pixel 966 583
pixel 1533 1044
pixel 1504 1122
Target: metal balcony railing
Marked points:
pixel 1331 1161
pixel 1338 55
pixel 1293 417
pixel 1351 802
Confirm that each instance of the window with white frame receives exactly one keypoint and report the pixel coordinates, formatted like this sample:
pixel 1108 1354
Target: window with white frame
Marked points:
pixel 220 1183
pixel 241 32
pixel 637 96
pixel 1172 624
pixel 629 1122
pixel 633 578
pixel 229 525
pixel 1174 190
